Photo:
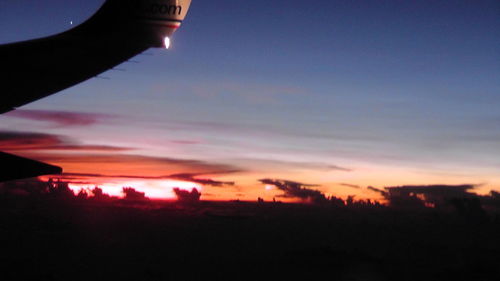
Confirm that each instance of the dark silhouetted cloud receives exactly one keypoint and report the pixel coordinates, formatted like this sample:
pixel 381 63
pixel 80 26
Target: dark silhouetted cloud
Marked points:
pixel 24 187
pixel 437 190
pixel 434 195
pixel 132 194
pixel 297 190
pixel 60 118
pixel 99 195
pixel 459 197
pixel 186 196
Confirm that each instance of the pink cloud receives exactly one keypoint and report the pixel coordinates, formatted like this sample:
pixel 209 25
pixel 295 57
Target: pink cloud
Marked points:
pixel 60 118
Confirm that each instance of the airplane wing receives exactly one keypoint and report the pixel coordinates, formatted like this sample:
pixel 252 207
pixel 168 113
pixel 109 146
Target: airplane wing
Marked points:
pixel 20 168
pixel 37 68
pixel 120 30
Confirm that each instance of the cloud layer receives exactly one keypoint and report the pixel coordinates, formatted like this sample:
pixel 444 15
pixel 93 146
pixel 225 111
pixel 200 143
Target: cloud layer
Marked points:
pixel 33 141
pixel 84 163
pixel 60 118
pixel 194 178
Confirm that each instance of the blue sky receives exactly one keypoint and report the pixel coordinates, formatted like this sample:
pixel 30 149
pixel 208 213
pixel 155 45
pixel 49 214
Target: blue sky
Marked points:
pixel 393 92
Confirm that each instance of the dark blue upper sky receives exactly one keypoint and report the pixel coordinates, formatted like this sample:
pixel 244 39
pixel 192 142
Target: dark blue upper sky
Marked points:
pixel 410 87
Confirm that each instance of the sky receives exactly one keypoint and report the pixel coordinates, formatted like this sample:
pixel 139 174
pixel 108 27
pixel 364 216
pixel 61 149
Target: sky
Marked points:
pixel 337 94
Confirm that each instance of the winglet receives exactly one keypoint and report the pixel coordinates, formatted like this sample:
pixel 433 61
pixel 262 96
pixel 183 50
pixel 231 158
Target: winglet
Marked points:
pixel 148 20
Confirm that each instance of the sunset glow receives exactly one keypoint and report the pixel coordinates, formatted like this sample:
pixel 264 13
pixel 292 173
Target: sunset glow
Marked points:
pixel 154 189
pixel 359 105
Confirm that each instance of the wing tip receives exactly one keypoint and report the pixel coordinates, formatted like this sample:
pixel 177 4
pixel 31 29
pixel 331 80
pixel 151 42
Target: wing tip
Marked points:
pixel 17 167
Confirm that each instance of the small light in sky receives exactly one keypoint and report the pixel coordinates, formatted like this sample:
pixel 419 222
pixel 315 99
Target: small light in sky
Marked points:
pixel 71 22
pixel 166 42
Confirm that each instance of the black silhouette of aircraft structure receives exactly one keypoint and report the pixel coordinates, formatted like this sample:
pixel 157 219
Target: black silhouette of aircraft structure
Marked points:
pixel 34 69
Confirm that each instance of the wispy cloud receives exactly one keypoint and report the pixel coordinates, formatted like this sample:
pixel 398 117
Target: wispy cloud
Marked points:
pixel 80 177
pixel 273 164
pixel 204 181
pixel 133 165
pixel 98 161
pixel 33 141
pixel 185 142
pixel 60 118
pixel 338 168
pixel 350 185
pixel 377 190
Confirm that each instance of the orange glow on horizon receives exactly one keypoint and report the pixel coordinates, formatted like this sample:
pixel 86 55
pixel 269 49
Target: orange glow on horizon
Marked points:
pixel 142 173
